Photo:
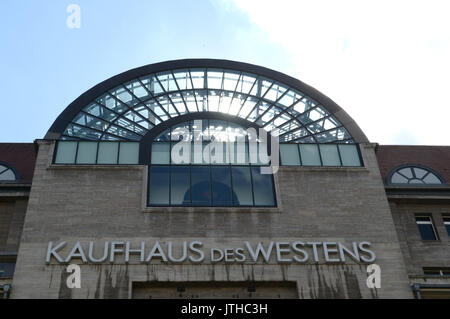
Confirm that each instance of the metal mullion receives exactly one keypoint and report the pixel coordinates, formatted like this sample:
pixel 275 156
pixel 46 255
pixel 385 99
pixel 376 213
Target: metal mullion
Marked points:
pixel 76 152
pixel 118 154
pixel 260 99
pixel 167 93
pixel 205 84
pixel 423 177
pixel 1 172
pixel 179 91
pixel 296 129
pixel 314 135
pixel 251 181
pixel 234 92
pixel 248 94
pixel 141 102
pixel 272 105
pixel 285 111
pixel 221 89
pixel 339 153
pixel 102 132
pixel 122 115
pixel 193 90
pixel 295 117
pixel 96 155
pixel 310 123
pixel 153 98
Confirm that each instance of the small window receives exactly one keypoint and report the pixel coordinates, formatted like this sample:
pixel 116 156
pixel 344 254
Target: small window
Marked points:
pixel 436 272
pixel 414 175
pixel 426 228
pixel 446 220
pixel 7 269
pixel 7 173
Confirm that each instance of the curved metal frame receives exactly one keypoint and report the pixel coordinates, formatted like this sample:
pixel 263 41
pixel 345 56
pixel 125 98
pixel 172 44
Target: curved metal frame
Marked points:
pixel 66 117
pixel 13 169
pixel 395 169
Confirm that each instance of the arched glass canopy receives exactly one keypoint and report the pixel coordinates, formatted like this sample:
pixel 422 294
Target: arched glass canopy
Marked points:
pixel 128 106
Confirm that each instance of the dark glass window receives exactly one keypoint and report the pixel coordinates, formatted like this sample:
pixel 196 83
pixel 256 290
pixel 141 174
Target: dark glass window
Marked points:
pixel 221 186
pixel 446 220
pixel 7 269
pixel 180 186
pixel 201 185
pixel 262 188
pixel 426 227
pixel 242 185
pixel 159 185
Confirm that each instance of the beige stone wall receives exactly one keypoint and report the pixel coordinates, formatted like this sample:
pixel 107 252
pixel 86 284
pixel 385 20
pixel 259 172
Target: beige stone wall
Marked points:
pixel 103 203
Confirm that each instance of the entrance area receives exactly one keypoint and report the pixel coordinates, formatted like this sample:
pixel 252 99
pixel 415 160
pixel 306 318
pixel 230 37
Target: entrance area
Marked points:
pixel 215 290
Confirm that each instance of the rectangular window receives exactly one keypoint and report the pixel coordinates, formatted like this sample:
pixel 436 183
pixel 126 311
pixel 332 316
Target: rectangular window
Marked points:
pixel 309 154
pixel 349 155
pixel 129 153
pixel 262 188
pixel 426 228
pixel 435 271
pixel 107 152
pixel 87 153
pixel 242 185
pixel 7 269
pixel 66 152
pixel 161 153
pixel 221 186
pixel 329 154
pixel 289 154
pixel 446 220
pixel 180 186
pixel 201 185
pixel 159 185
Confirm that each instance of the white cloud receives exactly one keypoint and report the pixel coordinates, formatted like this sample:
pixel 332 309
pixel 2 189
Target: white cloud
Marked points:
pixel 387 63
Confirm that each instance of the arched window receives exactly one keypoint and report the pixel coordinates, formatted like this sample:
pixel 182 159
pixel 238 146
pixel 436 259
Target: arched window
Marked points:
pixel 7 173
pixel 413 174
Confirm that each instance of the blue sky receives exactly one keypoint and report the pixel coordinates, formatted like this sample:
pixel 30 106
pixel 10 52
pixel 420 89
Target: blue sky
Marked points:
pixel 389 71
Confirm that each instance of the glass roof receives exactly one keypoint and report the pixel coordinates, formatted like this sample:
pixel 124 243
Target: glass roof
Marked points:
pixel 132 109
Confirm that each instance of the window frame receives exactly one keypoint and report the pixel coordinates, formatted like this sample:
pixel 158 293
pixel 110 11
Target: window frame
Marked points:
pixel 412 166
pixel 13 169
pixel 429 222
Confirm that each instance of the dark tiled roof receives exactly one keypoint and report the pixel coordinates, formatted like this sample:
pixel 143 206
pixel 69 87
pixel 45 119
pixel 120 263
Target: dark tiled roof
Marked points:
pixel 435 157
pixel 21 156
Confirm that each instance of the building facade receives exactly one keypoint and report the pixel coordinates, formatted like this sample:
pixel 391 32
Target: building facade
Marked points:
pixel 161 182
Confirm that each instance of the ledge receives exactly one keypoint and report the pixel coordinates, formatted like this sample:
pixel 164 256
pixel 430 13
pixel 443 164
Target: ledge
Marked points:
pixel 96 167
pixel 324 169
pixel 212 210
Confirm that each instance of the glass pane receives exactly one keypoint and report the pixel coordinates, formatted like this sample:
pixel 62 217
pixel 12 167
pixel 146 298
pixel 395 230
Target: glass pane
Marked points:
pixel 330 155
pixel 161 153
pixel 398 179
pixel 426 231
pixel 180 188
pixel 262 188
pixel 7 175
pixel 201 186
pixel 289 154
pixel 431 179
pixel 310 155
pixel 129 153
pixel 65 153
pixel 349 155
pixel 159 185
pixel 107 152
pixel 406 172
pixel 221 186
pixel 87 152
pixel 242 186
